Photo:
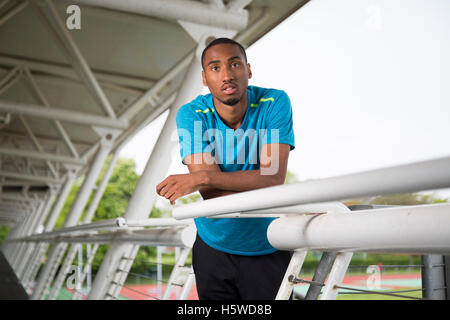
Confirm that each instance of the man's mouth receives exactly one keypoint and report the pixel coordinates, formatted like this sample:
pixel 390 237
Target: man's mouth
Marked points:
pixel 229 88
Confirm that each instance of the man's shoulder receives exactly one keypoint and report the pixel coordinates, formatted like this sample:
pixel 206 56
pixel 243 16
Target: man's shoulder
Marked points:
pixel 200 105
pixel 267 98
pixel 261 94
pixel 263 91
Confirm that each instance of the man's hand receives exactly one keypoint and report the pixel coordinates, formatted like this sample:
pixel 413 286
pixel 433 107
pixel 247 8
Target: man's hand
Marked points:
pixel 178 185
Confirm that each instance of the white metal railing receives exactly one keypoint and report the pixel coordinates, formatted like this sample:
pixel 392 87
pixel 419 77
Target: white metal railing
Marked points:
pixel 425 175
pixel 306 222
pixel 166 232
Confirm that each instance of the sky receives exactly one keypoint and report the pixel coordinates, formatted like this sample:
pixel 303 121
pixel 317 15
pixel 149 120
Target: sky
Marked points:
pixel 369 83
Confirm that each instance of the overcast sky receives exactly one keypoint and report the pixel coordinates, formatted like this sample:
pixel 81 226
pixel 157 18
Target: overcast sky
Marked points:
pixel 369 82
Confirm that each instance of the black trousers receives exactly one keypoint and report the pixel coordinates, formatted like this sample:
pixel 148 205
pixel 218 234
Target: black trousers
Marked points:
pixel 223 276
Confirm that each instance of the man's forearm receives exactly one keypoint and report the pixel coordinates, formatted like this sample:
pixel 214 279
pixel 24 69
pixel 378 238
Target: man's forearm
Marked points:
pixel 239 181
pixel 209 193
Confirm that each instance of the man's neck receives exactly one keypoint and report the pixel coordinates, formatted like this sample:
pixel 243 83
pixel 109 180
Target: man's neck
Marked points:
pixel 232 116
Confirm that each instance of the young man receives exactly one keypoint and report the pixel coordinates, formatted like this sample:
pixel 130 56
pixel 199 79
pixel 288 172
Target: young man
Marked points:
pixel 235 139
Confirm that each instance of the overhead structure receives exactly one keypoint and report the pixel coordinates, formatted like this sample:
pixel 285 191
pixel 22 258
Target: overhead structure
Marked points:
pixel 78 79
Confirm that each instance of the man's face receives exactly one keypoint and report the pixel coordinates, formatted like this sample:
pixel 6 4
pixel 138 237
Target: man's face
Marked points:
pixel 226 73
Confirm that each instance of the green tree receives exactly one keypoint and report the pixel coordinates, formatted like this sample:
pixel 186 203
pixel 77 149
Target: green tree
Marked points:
pixel 290 177
pixel 401 199
pixel 113 204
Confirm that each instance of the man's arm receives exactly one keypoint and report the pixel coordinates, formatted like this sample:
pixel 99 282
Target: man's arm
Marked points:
pixel 206 176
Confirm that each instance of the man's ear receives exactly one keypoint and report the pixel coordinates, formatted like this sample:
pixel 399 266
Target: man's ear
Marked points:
pixel 249 71
pixel 204 78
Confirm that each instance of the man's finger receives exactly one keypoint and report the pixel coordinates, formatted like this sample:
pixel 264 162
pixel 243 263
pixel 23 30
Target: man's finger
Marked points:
pixel 169 194
pixel 163 191
pixel 173 197
pixel 161 185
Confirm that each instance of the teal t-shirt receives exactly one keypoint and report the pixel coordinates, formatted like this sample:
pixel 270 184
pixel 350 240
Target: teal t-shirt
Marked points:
pixel 268 119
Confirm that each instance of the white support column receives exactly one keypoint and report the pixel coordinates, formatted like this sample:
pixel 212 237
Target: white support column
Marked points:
pixel 101 188
pixel 76 210
pixel 144 196
pixel 87 219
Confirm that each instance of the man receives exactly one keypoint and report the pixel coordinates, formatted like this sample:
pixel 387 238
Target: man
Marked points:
pixel 235 139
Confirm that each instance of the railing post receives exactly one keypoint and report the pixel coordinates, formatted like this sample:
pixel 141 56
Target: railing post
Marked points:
pixel 433 277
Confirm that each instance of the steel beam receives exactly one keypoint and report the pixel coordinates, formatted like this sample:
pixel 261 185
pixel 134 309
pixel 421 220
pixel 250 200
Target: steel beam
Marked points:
pixel 41 98
pixel 14 11
pixel 60 114
pixel 75 57
pixel 36 144
pixel 192 11
pixel 66 71
pixel 11 73
pixel 41 156
pixel 29 177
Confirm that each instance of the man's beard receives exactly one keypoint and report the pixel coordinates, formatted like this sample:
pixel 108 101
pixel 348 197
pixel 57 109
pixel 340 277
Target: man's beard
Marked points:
pixel 231 101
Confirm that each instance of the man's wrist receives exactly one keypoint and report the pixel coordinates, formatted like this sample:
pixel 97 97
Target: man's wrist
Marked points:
pixel 203 178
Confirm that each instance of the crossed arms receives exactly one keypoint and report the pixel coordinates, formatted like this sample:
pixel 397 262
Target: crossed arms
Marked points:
pixel 206 177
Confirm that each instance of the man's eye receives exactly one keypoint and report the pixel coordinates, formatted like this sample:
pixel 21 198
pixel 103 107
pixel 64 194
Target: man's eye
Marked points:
pixel 235 64
pixel 214 68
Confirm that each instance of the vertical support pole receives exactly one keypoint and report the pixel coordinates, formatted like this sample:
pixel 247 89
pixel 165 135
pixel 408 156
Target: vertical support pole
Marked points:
pixel 323 268
pixel 447 276
pixel 433 277
pixel 144 196
pixel 159 270
pixel 46 277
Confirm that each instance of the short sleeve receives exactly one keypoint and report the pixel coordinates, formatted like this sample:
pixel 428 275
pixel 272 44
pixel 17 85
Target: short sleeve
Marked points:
pixel 190 128
pixel 279 121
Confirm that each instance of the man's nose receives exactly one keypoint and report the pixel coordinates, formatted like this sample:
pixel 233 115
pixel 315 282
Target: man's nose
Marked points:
pixel 227 74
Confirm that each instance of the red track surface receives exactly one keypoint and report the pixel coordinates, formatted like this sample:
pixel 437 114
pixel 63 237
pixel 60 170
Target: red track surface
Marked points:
pixel 149 292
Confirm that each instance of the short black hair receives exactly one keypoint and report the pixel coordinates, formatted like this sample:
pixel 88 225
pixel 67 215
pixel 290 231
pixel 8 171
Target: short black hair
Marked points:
pixel 220 41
